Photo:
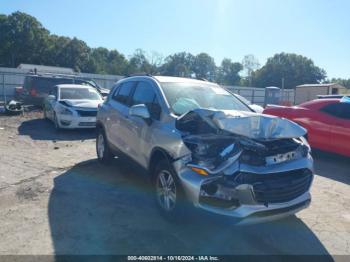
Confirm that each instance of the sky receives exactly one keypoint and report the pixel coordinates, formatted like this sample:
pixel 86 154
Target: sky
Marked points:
pixel 318 29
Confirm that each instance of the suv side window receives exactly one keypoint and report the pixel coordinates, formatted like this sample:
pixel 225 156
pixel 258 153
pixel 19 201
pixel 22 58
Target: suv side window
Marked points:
pixel 341 110
pixel 145 94
pixel 122 94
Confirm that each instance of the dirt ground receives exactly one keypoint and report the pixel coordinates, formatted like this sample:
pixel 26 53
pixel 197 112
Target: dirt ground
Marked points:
pixel 55 198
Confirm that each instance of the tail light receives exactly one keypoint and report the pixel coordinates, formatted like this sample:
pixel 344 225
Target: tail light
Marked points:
pixel 33 92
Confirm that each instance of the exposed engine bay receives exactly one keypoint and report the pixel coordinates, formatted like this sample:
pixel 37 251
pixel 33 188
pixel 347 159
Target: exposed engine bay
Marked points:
pixel 213 138
pixel 220 142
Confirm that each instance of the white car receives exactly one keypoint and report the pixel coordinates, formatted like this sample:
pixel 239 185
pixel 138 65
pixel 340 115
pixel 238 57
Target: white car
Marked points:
pixel 255 107
pixel 72 106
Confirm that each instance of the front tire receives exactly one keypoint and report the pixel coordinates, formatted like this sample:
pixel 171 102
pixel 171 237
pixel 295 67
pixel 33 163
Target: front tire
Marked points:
pixel 104 154
pixel 170 197
pixel 55 122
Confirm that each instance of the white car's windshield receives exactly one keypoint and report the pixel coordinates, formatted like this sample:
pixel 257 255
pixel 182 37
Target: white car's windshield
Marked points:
pixel 183 97
pixel 79 93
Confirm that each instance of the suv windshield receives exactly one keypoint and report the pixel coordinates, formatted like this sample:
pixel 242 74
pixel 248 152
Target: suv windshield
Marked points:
pixel 183 97
pixel 79 93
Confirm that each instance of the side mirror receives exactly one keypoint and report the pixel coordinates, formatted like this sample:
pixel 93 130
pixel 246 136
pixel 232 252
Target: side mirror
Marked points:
pixel 140 111
pixel 51 97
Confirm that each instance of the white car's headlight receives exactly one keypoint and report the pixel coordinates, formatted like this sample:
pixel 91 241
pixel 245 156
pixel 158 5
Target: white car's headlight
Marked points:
pixel 65 111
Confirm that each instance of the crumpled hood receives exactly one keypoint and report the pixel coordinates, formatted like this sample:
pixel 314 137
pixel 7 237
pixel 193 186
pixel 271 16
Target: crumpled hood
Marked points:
pixel 248 124
pixel 81 103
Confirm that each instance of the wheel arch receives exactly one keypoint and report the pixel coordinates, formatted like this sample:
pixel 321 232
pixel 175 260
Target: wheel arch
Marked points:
pixel 157 155
pixel 100 125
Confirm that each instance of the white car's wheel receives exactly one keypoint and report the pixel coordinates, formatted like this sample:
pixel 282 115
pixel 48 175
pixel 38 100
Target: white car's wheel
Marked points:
pixel 55 122
pixel 104 154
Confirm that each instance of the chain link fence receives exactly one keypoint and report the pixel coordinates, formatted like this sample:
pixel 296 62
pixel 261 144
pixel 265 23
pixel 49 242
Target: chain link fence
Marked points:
pixel 10 78
pixel 258 95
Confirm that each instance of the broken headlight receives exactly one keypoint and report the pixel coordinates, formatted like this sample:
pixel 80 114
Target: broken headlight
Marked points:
pixel 65 111
pixel 306 145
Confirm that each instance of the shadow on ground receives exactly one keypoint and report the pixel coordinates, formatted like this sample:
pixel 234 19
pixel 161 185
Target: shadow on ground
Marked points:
pixel 96 209
pixel 43 129
pixel 332 166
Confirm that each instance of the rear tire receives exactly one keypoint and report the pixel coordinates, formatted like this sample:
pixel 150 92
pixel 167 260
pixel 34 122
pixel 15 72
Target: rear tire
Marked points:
pixel 104 154
pixel 170 197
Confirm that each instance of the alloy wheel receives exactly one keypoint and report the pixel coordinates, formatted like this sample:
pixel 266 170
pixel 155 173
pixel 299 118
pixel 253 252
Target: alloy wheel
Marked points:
pixel 166 190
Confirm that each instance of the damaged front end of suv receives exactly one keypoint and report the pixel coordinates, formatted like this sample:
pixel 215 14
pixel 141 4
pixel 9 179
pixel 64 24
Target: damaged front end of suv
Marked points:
pixel 248 166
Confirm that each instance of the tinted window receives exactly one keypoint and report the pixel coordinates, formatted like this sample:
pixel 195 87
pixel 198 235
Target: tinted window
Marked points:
pixel 145 94
pixel 123 92
pixel 341 110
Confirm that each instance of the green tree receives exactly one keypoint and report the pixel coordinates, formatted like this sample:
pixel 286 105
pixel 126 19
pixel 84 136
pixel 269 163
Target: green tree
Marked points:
pixel 138 63
pixel 228 72
pixel 100 59
pixel 294 69
pixel 23 39
pixel 178 64
pixel 54 53
pixel 75 54
pixel 117 63
pixel 204 66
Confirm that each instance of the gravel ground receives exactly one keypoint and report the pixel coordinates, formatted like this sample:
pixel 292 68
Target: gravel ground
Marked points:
pixel 55 198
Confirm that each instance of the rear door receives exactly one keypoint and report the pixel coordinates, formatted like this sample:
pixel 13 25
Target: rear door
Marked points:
pixel 117 127
pixel 317 123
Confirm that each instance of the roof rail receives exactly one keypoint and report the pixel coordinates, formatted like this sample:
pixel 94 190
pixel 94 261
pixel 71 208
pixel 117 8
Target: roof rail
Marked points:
pixel 139 74
pixel 54 74
pixel 202 79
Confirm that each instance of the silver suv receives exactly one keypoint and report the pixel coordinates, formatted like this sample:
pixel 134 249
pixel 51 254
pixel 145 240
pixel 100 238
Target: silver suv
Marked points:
pixel 203 146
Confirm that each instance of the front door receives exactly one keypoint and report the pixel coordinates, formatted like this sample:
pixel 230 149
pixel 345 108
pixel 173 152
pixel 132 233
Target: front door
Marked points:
pixel 139 135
